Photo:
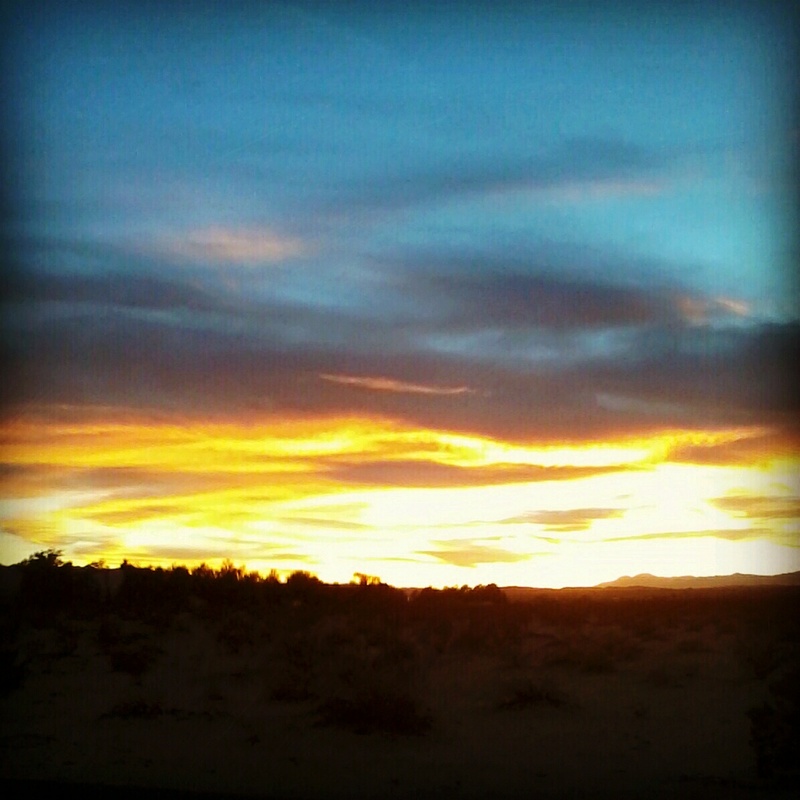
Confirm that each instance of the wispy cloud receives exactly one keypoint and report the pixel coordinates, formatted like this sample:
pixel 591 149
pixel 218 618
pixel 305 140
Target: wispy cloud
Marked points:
pixel 392 385
pixel 699 310
pixel 467 553
pixel 729 534
pixel 545 287
pixel 578 168
pixel 410 473
pixel 761 506
pixel 746 446
pixel 565 520
pixel 248 246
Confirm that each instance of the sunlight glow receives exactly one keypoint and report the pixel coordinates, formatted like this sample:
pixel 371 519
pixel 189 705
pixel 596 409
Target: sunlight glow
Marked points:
pixel 271 493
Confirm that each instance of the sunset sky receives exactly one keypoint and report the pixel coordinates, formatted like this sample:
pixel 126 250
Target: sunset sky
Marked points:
pixel 447 293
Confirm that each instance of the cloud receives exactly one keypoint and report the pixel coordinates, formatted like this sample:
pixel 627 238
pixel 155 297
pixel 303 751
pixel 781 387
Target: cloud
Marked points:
pixel 546 287
pixel 729 534
pixel 700 310
pixel 577 167
pixel 760 506
pixel 409 473
pixel 95 291
pixel 321 524
pixel 564 520
pixel 516 300
pixel 748 448
pixel 390 385
pixel 136 512
pixel 211 357
pixel 628 405
pixel 120 492
pixel 219 245
pixel 466 553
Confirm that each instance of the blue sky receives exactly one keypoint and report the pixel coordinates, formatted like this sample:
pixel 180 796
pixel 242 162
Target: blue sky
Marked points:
pixel 533 224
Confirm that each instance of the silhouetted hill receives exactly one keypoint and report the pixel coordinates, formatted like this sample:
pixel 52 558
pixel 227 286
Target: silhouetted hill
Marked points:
pixel 692 582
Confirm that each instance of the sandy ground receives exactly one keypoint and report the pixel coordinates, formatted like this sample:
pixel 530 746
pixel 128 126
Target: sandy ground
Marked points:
pixel 233 705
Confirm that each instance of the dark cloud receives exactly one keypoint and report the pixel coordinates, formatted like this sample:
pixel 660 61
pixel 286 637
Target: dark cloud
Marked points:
pixel 544 286
pixel 563 520
pixel 113 289
pixel 266 357
pixel 470 300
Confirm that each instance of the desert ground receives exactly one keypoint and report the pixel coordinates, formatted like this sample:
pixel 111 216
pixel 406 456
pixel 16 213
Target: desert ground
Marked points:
pixel 232 685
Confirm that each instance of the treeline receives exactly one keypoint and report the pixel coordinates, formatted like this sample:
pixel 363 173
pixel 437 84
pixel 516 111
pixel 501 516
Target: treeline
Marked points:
pixel 44 584
pixel 45 581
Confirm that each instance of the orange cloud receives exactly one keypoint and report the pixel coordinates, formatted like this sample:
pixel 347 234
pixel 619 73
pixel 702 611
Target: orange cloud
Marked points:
pixel 760 506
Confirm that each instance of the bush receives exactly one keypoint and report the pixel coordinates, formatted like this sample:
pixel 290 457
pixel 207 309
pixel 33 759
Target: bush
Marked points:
pixel 775 727
pixel 375 712
pixel 533 694
pixel 136 709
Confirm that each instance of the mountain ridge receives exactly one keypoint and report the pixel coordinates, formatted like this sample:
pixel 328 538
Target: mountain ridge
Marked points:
pixel 699 582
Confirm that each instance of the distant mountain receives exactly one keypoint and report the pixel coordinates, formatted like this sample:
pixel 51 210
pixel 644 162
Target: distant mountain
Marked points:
pixel 691 582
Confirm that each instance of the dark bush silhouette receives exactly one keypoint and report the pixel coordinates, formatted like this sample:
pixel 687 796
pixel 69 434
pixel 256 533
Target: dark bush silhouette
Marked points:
pixel 775 727
pixel 375 711
pixel 533 694
pixel 12 671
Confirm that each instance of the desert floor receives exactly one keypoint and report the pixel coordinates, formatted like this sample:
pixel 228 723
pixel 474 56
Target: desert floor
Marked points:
pixel 560 697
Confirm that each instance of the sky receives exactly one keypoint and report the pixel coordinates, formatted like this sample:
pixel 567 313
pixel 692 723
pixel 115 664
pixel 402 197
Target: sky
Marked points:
pixel 447 294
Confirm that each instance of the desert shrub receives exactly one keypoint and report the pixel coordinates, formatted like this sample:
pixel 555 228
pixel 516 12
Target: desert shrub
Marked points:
pixel 126 648
pixel 51 585
pixel 375 711
pixel 297 674
pixel 664 676
pixel 136 709
pixel 292 689
pixel 585 654
pixel 761 653
pixel 134 661
pixel 692 644
pixel 530 693
pixel 12 671
pixel 775 726
pixel 596 662
pixel 236 633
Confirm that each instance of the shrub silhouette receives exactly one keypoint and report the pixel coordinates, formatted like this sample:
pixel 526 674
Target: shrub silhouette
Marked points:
pixel 532 694
pixel 45 559
pixel 775 726
pixel 12 672
pixel 375 711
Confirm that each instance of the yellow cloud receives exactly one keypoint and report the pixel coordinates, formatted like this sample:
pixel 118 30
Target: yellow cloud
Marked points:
pixel 335 494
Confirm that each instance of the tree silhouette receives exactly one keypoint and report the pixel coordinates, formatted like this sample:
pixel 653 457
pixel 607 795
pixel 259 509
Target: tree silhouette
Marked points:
pixel 46 559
